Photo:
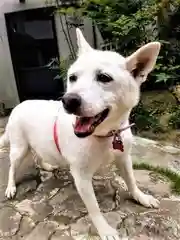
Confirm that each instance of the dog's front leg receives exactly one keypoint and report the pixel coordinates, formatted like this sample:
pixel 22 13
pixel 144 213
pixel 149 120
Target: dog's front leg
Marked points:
pixel 83 182
pixel 124 163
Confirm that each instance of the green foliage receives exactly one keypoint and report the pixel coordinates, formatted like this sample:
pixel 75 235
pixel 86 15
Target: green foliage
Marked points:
pixel 129 24
pixel 64 65
pixel 174 120
pixel 145 119
pixel 132 23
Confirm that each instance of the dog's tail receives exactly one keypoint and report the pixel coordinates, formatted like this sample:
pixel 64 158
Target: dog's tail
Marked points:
pixel 4 140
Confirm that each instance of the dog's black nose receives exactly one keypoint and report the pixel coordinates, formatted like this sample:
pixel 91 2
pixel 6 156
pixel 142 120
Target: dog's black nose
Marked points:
pixel 71 102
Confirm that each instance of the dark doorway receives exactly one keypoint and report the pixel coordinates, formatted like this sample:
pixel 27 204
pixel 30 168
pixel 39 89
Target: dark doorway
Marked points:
pixel 34 52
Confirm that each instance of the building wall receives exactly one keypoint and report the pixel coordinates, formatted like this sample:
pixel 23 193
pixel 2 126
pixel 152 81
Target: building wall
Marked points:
pixel 8 89
pixel 62 37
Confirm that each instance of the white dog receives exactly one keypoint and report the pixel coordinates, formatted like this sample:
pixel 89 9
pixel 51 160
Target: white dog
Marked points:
pixel 85 128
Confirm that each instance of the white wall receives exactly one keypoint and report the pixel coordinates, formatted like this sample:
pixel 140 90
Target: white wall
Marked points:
pixel 8 89
pixel 62 38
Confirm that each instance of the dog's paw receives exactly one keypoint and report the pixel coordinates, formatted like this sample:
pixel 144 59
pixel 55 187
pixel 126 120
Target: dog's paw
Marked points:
pixel 47 167
pixel 3 150
pixel 10 191
pixel 146 200
pixel 111 237
pixel 110 234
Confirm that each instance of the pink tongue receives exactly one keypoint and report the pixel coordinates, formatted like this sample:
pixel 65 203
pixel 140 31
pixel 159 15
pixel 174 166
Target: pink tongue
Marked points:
pixel 83 124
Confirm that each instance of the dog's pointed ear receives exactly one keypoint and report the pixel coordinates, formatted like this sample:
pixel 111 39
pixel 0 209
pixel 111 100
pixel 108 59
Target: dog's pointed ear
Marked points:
pixel 142 62
pixel 83 45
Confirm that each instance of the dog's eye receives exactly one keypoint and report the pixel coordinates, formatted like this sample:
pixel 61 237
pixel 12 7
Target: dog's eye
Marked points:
pixel 73 78
pixel 104 78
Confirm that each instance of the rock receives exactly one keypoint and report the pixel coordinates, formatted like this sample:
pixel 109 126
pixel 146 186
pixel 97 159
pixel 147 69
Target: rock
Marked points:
pixel 153 183
pixel 176 92
pixel 45 175
pixel 38 211
pixel 171 150
pixel 157 224
pixel 3 121
pixel 69 210
pixel 114 218
pixel 52 209
pixel 25 207
pixel 67 205
pixel 26 187
pixel 1 131
pixel 156 154
pixel 62 196
pixel 43 231
pixel 27 171
pixel 26 226
pixel 60 235
pixel 63 174
pixel 9 222
pixel 82 226
pixel 48 188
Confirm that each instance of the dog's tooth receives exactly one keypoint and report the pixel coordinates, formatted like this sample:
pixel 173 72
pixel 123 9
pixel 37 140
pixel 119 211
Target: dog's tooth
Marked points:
pixel 78 118
pixel 92 128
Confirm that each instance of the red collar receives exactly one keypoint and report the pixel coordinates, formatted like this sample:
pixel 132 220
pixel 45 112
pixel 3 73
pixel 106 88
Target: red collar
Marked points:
pixel 116 132
pixel 117 140
pixel 55 135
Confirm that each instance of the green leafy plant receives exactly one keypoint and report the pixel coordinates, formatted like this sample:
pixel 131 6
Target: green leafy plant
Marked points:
pixel 129 24
pixel 64 65
pixel 174 120
pixel 145 119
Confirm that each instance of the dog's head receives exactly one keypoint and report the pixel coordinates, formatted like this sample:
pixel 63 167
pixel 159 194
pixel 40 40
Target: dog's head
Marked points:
pixel 103 86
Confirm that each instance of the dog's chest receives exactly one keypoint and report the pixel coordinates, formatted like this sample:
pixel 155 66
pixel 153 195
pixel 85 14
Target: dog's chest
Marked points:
pixel 90 150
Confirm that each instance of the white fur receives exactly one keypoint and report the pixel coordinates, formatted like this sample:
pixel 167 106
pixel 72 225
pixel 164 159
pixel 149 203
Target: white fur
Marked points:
pixel 30 125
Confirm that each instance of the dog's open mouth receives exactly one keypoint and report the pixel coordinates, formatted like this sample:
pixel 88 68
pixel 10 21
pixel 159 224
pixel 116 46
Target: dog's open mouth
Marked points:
pixel 85 126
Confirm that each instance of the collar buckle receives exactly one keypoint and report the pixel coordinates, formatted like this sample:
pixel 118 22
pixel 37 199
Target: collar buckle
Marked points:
pixel 117 140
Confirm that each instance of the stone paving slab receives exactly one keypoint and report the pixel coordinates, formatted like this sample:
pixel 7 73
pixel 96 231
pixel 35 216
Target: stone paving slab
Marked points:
pixel 156 154
pixel 48 207
pixel 54 209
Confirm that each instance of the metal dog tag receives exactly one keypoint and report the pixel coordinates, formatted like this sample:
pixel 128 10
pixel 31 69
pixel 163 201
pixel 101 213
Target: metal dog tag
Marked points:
pixel 117 143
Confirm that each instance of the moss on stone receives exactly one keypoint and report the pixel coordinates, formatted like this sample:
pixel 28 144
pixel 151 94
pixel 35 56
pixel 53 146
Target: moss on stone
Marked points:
pixel 168 173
